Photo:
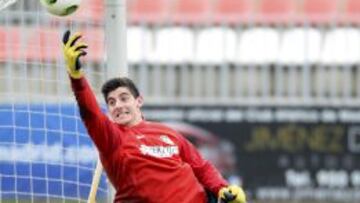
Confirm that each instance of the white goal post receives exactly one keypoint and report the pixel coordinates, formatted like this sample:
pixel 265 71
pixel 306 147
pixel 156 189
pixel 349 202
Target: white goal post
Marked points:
pixel 116 64
pixel 6 3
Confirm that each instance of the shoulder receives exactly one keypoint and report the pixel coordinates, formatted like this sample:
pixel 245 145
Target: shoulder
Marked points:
pixel 162 128
pixel 159 125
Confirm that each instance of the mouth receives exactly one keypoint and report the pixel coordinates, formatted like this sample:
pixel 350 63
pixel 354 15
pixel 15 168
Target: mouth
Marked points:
pixel 119 115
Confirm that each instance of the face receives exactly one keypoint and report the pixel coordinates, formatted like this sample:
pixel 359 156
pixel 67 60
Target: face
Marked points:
pixel 123 107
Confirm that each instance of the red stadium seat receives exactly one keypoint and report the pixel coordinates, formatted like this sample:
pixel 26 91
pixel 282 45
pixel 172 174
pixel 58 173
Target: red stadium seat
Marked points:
pixel 42 44
pixel 95 40
pixel 9 44
pixel 319 12
pixel 233 12
pixel 191 12
pixel 351 12
pixel 49 37
pixel 276 11
pixel 148 11
pixel 3 49
pixel 90 12
pixel 97 10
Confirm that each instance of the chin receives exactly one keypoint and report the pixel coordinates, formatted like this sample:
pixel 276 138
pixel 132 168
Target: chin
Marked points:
pixel 122 122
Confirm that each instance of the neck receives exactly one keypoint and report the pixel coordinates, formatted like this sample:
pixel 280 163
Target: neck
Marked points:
pixel 135 122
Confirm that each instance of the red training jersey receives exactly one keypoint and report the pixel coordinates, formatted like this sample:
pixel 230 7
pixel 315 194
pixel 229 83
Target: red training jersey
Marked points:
pixel 149 162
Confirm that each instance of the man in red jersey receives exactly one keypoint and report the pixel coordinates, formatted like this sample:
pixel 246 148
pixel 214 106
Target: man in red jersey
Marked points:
pixel 146 162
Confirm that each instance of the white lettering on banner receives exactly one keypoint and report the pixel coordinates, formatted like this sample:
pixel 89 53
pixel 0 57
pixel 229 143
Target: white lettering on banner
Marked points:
pixel 300 115
pixel 298 178
pixel 332 178
pixel 321 194
pixel 159 151
pixel 266 115
pixel 48 153
pixel 349 115
pixel 355 178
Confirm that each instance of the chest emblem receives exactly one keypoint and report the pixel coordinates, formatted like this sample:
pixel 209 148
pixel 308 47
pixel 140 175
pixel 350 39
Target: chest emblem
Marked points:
pixel 166 139
pixel 139 137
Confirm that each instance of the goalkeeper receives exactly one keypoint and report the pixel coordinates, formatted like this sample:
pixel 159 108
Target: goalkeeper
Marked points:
pixel 146 162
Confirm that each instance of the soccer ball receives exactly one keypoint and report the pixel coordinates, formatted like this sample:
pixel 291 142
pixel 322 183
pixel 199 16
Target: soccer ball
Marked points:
pixel 61 7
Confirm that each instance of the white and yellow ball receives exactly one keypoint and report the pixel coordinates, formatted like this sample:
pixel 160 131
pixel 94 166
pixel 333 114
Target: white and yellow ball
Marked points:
pixel 61 7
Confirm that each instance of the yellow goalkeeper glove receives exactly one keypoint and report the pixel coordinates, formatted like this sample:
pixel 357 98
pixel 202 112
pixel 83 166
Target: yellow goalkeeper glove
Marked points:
pixel 232 194
pixel 72 53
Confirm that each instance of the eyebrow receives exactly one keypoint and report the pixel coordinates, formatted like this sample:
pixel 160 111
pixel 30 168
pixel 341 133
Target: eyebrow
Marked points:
pixel 122 94
pixel 125 93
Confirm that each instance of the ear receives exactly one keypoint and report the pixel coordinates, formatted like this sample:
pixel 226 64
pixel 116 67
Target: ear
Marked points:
pixel 140 101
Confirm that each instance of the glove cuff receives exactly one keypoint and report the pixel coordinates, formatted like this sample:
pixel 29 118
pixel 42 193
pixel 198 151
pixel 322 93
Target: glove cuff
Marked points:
pixel 75 74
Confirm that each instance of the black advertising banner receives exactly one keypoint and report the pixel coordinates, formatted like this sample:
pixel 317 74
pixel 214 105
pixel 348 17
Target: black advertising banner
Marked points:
pixel 277 152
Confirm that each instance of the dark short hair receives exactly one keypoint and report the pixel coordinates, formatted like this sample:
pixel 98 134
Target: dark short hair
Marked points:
pixel 114 83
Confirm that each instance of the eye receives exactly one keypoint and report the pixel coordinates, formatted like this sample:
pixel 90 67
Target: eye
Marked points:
pixel 111 102
pixel 124 98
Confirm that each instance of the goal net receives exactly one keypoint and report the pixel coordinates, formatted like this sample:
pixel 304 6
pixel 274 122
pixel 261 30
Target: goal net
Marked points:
pixel 45 152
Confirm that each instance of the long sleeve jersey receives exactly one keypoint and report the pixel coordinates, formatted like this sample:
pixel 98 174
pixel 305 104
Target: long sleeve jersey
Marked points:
pixel 148 162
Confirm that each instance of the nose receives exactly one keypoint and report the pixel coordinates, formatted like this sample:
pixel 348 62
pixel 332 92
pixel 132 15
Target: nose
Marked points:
pixel 118 104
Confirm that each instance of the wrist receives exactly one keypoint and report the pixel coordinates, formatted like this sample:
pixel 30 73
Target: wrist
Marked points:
pixel 75 74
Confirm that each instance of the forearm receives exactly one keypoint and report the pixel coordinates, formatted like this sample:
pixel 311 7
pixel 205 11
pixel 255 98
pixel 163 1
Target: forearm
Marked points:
pixel 204 171
pixel 97 124
pixel 210 177
pixel 89 108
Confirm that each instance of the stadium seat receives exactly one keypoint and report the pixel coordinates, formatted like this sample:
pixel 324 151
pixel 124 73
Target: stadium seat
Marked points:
pixel 31 47
pixel 257 49
pixel 41 44
pixel 258 46
pixel 351 13
pixel 220 50
pixel 9 43
pixel 92 11
pixel 233 12
pixel 190 12
pixel 215 47
pixel 341 47
pixel 300 45
pixel 148 11
pixel 139 44
pixel 276 11
pixel 173 45
pixel 319 12
pixel 95 39
pixel 2 44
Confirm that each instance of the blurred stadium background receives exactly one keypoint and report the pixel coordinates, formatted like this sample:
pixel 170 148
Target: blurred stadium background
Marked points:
pixel 269 90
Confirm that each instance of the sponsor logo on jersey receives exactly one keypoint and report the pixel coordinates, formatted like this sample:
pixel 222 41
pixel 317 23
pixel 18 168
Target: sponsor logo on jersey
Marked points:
pixel 159 151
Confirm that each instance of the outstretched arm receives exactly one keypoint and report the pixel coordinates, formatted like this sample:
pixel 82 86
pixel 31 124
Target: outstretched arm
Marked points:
pixel 205 172
pixel 99 127
pixel 209 176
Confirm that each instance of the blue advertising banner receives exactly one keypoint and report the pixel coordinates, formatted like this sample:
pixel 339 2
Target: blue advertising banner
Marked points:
pixel 45 152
